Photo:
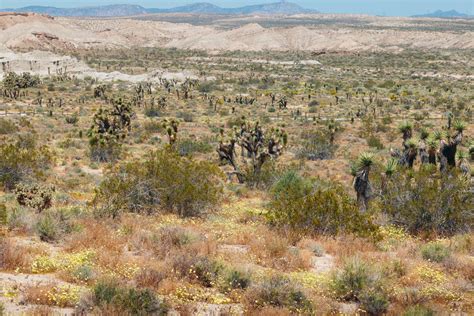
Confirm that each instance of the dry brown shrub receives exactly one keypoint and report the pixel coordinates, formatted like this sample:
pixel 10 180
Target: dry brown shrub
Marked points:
pixel 14 255
pixel 150 278
pixel 38 294
pixel 97 235
pixel 41 310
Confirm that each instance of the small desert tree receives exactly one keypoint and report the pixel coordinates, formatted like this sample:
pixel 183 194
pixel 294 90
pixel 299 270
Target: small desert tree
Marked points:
pixel 257 147
pixel 109 128
pixel 362 186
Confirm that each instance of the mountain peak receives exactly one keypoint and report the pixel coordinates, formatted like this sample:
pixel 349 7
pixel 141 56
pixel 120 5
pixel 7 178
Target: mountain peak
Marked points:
pixel 281 7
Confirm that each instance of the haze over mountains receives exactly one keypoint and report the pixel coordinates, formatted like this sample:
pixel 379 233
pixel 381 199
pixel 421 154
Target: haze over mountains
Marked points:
pixel 117 10
pixel 444 14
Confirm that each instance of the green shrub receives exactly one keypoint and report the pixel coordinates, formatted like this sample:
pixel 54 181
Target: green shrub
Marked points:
pixel 130 300
pixel 279 291
pixel 235 279
pixel 374 142
pixel 164 180
pixel 316 145
pixel 206 271
pixel 352 280
pixel 374 302
pixel 418 310
pixel 435 252
pixel 18 164
pixel 429 202
pixel 187 147
pixel 47 228
pixel 3 215
pixel 357 281
pixel 7 127
pixel 36 196
pixel 325 210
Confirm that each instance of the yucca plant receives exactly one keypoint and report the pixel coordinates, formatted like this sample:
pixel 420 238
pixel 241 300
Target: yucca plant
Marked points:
pixel 459 126
pixel 439 135
pixel 412 143
pixel 361 180
pixel 406 128
pixel 365 159
pixel 463 163
pixel 424 134
pixel 391 167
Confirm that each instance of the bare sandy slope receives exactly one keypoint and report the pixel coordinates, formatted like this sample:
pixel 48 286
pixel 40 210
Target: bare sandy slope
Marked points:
pixel 42 32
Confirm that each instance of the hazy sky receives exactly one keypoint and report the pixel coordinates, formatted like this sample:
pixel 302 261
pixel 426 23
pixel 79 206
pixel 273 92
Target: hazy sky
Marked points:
pixel 379 7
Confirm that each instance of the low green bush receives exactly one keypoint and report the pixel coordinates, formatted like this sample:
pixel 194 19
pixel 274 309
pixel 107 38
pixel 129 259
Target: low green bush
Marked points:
pixel 18 164
pixel 129 300
pixel 279 291
pixel 435 252
pixel 166 181
pixel 324 209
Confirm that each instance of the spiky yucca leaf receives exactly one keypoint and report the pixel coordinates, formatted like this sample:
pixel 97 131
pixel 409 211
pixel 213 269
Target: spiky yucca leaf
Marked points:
pixel 405 126
pixel 412 143
pixel 462 155
pixel 459 126
pixel 424 134
pixel 365 159
pixel 391 166
pixel 439 135
pixel 432 143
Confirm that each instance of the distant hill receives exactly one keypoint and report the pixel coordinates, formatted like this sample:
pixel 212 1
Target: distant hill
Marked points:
pixel 282 7
pixel 444 14
pixel 99 11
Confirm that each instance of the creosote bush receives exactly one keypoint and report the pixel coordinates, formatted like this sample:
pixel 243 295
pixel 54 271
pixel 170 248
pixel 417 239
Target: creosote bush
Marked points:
pixel 429 202
pixel 279 291
pixel 18 164
pixel 127 300
pixel 315 207
pixel 164 180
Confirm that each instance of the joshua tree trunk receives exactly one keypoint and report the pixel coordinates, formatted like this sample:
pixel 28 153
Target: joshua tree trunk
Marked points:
pixel 363 188
pixel 447 152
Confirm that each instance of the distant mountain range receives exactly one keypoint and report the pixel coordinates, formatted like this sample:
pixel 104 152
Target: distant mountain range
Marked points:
pixel 444 14
pixel 116 10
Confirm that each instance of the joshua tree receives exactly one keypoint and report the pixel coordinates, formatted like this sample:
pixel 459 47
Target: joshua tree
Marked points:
pixel 362 184
pixel 390 169
pixel 99 91
pixel 109 128
pixel 448 146
pixel 406 128
pixel 257 147
pixel 171 127
pixel 432 145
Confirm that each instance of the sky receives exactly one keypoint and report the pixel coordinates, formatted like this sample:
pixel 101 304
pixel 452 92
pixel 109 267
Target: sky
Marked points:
pixel 374 7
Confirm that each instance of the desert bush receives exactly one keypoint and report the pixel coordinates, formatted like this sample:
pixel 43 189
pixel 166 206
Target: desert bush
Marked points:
pixel 73 119
pixel 374 302
pixel 3 215
pixel 7 127
pixel 164 180
pixel 316 145
pixel 320 209
pixel 206 271
pixel 418 310
pixel 357 281
pixel 235 279
pixel 47 228
pixel 18 164
pixel 375 142
pixel 187 147
pixel 429 202
pixel 130 300
pixel 435 252
pixel 38 197
pixel 278 291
